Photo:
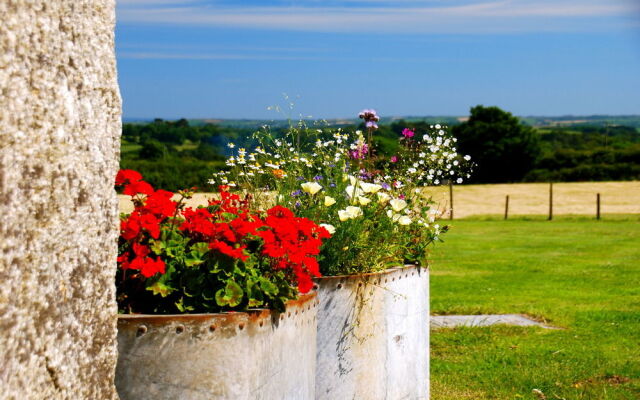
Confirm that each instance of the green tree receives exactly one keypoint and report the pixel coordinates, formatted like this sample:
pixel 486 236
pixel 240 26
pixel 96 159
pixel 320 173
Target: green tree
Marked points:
pixel 503 149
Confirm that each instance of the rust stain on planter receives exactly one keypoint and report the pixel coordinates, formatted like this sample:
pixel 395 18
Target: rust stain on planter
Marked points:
pixel 373 335
pixel 237 355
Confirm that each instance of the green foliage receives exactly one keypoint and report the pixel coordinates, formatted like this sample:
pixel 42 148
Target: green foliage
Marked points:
pixel 588 153
pixel 174 172
pixel 502 148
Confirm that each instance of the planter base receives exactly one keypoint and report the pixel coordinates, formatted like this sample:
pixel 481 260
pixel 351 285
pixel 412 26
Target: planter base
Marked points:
pixel 373 336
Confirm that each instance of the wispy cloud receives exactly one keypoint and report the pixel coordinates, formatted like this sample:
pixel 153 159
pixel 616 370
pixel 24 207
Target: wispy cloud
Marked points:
pixel 239 56
pixel 402 16
pixel 141 55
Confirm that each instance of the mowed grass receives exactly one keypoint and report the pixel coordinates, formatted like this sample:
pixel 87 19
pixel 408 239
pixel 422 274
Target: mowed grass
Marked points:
pixel 580 275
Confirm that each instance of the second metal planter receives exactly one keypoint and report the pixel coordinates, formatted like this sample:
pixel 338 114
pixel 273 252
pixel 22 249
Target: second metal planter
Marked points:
pixel 373 336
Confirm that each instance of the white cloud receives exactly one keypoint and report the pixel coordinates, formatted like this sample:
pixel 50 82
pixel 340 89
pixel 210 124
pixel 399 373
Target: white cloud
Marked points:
pixel 494 16
pixel 141 55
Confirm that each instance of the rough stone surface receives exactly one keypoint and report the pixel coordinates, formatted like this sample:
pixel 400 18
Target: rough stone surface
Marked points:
pixel 373 336
pixel 59 149
pixel 452 321
pixel 231 356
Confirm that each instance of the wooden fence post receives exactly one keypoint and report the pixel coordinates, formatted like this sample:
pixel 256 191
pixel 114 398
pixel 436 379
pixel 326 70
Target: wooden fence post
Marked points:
pixel 550 201
pixel 506 207
pixel 451 198
pixel 598 206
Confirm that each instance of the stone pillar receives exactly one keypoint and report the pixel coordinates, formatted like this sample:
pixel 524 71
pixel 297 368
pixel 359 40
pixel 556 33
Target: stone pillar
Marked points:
pixel 59 147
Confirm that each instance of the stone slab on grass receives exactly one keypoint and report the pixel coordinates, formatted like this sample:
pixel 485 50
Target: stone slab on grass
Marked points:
pixel 452 321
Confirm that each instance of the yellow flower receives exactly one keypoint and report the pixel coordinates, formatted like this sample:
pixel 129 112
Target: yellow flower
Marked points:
pixel 383 198
pixel 329 201
pixel 350 212
pixel 370 187
pixel 311 187
pixel 363 200
pixel 353 191
pixel 398 204
pixel 404 220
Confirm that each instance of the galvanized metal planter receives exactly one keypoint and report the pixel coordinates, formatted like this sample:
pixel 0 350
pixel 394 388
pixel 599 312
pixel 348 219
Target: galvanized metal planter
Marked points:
pixel 255 355
pixel 373 336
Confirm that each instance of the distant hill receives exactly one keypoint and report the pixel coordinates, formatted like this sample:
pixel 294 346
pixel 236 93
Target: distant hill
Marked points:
pixel 537 121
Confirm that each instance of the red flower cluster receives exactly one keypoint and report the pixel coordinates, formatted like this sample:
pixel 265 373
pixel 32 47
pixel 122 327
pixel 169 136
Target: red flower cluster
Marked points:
pixel 228 225
pixel 290 243
pixel 294 243
pixel 149 213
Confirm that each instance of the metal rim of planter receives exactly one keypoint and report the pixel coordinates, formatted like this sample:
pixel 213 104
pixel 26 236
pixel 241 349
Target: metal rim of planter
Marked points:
pixel 241 319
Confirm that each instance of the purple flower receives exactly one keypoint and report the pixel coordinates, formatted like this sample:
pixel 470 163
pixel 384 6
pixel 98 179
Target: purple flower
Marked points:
pixel 385 186
pixel 296 193
pixel 317 177
pixel 370 117
pixel 300 178
pixel 408 133
pixel 360 153
pixel 298 204
pixel 332 185
pixel 394 159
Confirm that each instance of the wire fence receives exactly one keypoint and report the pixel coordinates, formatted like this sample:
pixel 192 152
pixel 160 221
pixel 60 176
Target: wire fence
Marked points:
pixel 549 200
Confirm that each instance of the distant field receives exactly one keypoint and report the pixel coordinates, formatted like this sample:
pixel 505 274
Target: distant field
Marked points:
pixel 524 198
pixel 577 198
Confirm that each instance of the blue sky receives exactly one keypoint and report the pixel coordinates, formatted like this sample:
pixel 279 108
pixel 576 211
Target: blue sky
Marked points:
pixel 233 59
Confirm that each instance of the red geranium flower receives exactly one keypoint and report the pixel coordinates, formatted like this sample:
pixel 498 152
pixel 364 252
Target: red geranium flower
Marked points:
pixel 224 248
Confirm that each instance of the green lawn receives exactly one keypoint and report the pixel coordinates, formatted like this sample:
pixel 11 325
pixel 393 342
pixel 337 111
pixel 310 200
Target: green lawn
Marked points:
pixel 577 274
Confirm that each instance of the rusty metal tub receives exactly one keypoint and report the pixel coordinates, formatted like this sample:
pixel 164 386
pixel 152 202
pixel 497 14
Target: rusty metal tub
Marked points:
pixel 254 355
pixel 373 336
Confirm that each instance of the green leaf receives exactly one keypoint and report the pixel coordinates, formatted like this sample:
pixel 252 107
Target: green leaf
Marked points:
pixel 157 246
pixel 268 287
pixel 182 307
pixel 201 248
pixel 233 294
pixel 160 288
pixel 208 294
pixel 193 258
pixel 221 299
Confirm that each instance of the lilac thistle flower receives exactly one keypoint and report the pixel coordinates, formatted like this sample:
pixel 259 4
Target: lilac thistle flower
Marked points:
pixel 370 118
pixel 408 133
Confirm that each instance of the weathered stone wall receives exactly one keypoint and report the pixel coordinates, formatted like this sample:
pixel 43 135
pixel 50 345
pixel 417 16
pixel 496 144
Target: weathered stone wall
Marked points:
pixel 59 144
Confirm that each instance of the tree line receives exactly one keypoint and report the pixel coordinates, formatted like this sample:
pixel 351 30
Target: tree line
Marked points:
pixel 178 154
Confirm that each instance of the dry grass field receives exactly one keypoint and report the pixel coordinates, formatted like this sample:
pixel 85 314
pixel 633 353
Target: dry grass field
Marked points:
pixel 577 198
